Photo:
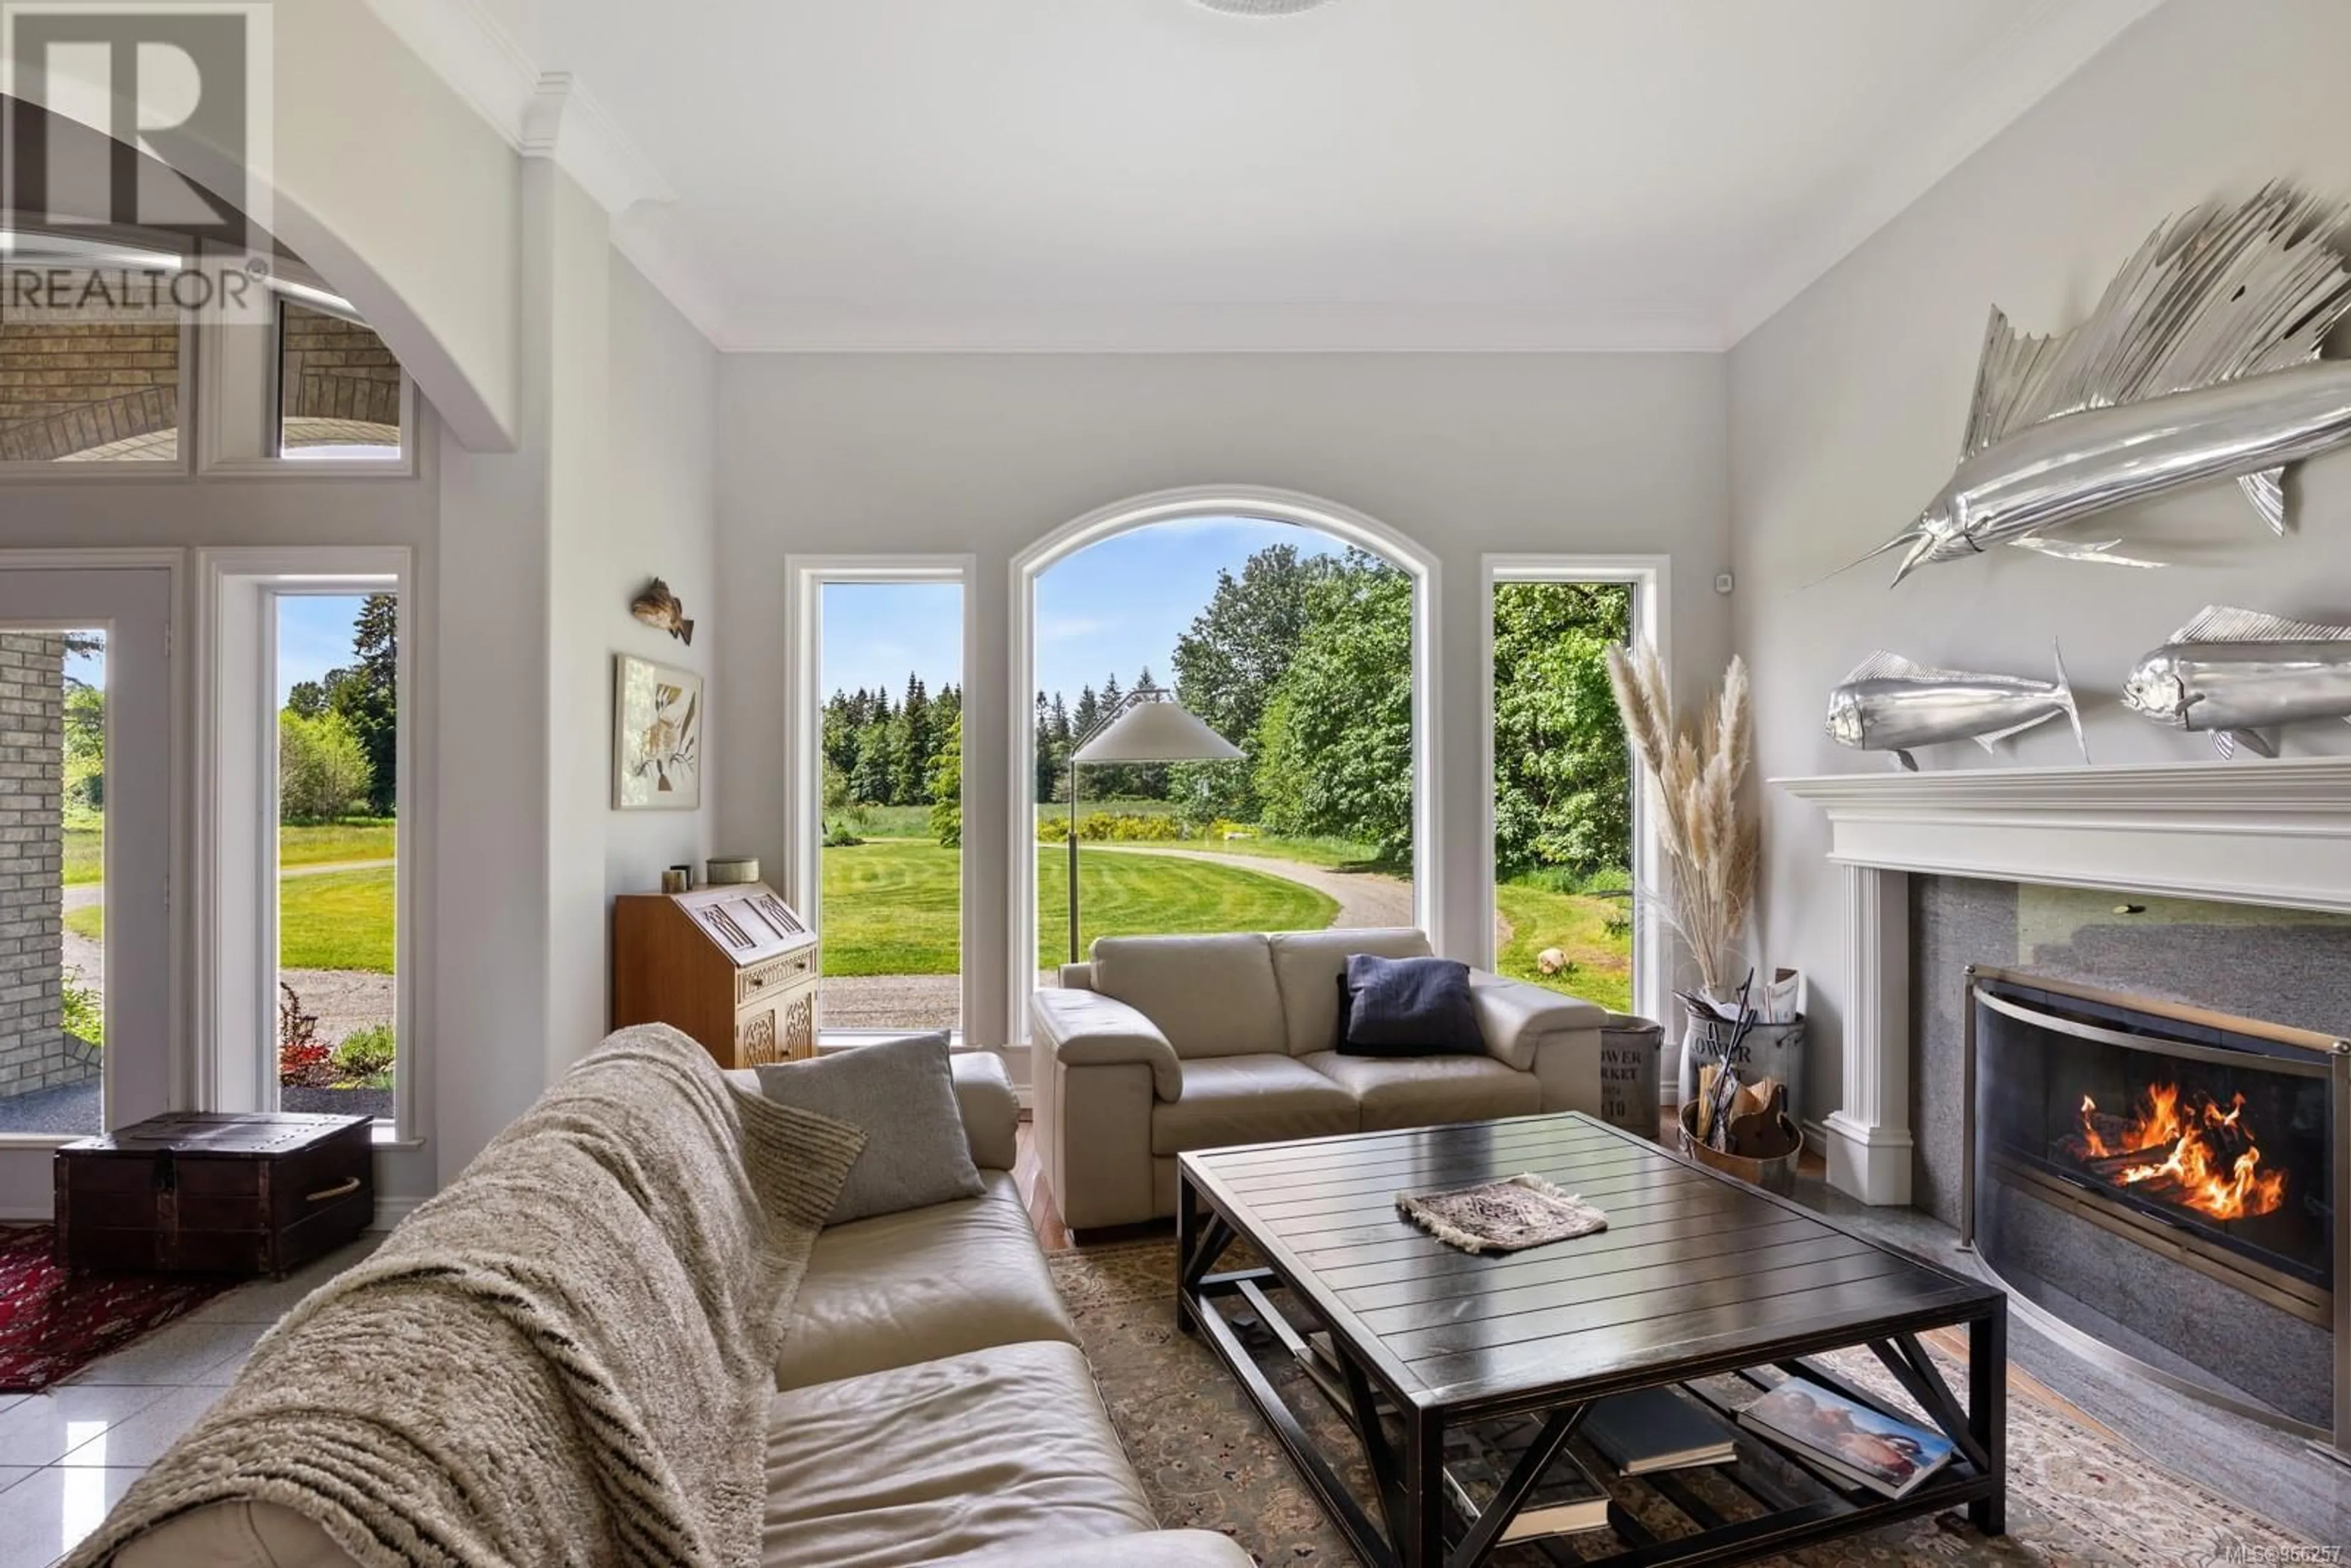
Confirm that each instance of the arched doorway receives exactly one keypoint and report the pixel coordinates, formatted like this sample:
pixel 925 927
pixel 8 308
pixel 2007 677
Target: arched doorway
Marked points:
pixel 1323 521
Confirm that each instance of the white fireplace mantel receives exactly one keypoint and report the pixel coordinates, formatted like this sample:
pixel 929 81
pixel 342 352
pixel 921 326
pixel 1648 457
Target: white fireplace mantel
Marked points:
pixel 2249 832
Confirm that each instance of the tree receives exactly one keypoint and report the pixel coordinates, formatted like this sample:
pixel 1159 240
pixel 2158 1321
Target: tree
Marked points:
pixel 368 697
pixel 915 742
pixel 85 746
pixel 1334 739
pixel 322 769
pixel 1562 775
pixel 1228 664
pixel 946 786
pixel 308 698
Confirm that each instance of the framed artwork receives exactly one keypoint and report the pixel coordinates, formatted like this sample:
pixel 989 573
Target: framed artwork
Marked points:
pixel 656 737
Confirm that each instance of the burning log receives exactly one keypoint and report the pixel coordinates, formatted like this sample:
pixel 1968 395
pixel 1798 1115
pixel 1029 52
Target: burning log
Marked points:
pixel 2181 1149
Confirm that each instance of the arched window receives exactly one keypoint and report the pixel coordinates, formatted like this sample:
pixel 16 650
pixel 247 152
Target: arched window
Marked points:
pixel 1296 629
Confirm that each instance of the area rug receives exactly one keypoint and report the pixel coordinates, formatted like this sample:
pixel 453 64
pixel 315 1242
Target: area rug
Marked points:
pixel 53 1324
pixel 2078 1498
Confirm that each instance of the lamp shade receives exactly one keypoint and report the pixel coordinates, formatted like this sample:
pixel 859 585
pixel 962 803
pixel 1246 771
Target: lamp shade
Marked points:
pixel 1157 732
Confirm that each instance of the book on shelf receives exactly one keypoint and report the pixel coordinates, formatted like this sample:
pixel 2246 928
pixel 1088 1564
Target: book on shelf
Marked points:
pixel 1653 1429
pixel 1480 1457
pixel 1848 1441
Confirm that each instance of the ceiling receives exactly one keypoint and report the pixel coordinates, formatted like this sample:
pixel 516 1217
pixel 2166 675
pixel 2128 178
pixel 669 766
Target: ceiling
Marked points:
pixel 1150 175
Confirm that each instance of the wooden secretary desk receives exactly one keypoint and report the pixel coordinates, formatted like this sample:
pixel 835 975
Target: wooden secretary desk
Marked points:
pixel 735 966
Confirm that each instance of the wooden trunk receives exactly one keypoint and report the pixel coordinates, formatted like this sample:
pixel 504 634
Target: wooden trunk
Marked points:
pixel 214 1192
pixel 732 966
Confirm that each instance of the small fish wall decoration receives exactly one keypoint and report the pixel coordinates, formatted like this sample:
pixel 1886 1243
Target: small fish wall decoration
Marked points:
pixel 1891 704
pixel 657 606
pixel 2239 675
pixel 2200 363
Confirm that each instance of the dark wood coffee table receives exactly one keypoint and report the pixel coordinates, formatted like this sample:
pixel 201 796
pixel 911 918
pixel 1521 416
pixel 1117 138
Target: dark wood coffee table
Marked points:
pixel 1698 1276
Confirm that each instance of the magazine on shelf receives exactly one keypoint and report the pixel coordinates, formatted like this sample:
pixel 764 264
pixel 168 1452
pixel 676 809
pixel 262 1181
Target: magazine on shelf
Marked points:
pixel 1850 1441
pixel 1653 1429
pixel 1478 1459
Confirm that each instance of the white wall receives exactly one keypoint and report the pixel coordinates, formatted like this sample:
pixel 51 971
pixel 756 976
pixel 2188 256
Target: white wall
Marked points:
pixel 1847 407
pixel 661 520
pixel 982 453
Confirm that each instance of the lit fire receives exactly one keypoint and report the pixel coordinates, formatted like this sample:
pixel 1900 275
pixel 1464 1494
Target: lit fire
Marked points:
pixel 2197 1156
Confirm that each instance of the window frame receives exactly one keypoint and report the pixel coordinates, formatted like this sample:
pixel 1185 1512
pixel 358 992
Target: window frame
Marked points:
pixel 1650 576
pixel 261 391
pixel 806 578
pixel 236 871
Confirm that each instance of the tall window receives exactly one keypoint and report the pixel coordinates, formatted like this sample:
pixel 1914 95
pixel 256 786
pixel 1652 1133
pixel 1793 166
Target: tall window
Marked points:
pixel 889 790
pixel 337 679
pixel 52 880
pixel 1563 910
pixel 1285 642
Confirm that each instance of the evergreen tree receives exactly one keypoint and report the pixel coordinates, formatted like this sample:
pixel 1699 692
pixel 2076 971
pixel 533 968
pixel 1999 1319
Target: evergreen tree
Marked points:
pixel 368 697
pixel 915 743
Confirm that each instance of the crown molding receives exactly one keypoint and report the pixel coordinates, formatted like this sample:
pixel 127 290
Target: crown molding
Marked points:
pixel 538 113
pixel 2024 67
pixel 1236 329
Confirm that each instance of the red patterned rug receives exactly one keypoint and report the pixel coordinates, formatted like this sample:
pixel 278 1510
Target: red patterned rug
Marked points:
pixel 52 1325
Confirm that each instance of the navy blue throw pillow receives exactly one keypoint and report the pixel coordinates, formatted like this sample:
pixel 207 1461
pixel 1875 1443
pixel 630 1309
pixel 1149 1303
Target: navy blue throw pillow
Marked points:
pixel 1407 1007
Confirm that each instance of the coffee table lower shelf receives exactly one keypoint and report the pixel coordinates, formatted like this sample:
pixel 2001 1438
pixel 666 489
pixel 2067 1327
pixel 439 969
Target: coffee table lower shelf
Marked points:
pixel 1792 1506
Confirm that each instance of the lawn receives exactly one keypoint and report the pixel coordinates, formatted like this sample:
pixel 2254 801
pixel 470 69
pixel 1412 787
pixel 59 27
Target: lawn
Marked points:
pixel 85 855
pixel 326 844
pixel 366 838
pixel 1576 923
pixel 890 905
pixel 327 920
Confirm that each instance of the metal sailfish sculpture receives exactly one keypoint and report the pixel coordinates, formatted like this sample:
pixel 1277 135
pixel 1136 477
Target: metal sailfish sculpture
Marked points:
pixel 2200 363
pixel 1890 703
pixel 2238 674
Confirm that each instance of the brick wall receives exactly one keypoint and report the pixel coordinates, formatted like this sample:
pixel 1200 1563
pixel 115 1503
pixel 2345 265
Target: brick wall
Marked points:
pixel 331 369
pixel 34 1050
pixel 67 386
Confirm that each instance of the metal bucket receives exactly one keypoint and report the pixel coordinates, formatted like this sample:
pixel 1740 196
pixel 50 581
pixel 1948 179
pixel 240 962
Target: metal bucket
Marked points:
pixel 1772 1175
pixel 1629 1049
pixel 1768 1051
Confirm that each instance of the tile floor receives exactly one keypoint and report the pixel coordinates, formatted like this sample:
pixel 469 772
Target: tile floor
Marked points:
pixel 67 1455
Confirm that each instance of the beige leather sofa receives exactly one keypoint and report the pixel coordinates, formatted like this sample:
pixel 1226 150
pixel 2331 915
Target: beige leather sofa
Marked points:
pixel 931 1406
pixel 1166 1045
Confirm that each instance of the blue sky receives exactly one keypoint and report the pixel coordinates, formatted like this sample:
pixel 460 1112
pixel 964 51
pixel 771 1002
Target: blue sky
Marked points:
pixel 1117 606
pixel 314 635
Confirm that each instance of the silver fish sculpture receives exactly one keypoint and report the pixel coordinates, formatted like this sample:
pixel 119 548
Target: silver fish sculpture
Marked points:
pixel 2198 364
pixel 2239 675
pixel 1890 703
pixel 657 606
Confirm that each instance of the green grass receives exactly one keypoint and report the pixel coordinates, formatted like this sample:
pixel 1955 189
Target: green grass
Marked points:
pixel 329 920
pixel 359 839
pixel 1331 855
pixel 362 839
pixel 336 920
pixel 890 907
pixel 1576 923
pixel 85 856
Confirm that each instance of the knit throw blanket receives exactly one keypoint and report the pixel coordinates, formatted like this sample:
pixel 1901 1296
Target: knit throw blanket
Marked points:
pixel 565 1357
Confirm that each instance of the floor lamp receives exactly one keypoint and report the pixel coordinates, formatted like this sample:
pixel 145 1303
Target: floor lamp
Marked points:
pixel 1147 727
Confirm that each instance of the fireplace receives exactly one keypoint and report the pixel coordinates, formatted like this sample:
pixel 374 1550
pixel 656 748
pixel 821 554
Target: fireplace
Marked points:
pixel 2168 1185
